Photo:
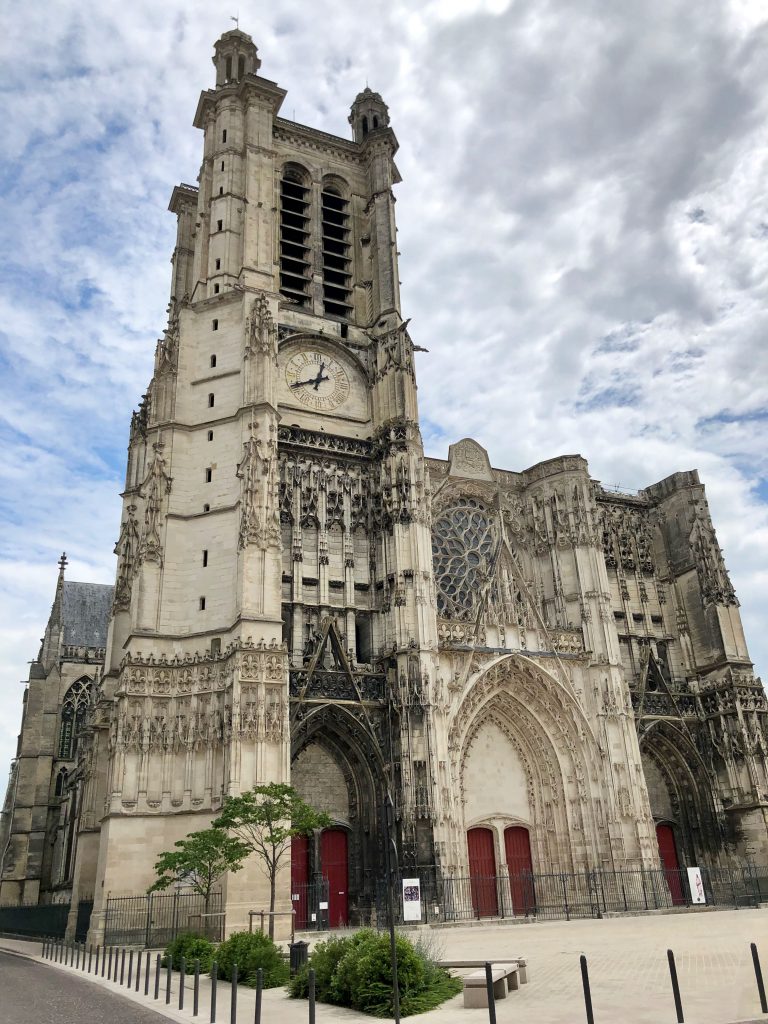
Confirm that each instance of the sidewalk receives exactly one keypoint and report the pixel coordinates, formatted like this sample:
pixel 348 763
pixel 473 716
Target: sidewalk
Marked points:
pixel 627 966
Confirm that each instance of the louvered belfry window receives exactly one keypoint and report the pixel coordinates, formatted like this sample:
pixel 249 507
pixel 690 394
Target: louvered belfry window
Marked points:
pixel 294 241
pixel 336 256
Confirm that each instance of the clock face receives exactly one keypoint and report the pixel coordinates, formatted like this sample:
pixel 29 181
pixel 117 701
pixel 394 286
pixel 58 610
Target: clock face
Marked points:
pixel 317 380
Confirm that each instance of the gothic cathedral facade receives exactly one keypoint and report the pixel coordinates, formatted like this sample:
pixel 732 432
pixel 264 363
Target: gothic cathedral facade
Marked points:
pixel 535 670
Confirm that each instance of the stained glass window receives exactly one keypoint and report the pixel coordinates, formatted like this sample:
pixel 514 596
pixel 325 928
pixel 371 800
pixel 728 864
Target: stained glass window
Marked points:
pixel 462 548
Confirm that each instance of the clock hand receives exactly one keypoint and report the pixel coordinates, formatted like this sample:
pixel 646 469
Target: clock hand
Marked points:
pixel 301 383
pixel 319 380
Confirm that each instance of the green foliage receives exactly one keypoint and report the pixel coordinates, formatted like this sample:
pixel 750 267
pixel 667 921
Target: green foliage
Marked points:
pixel 251 951
pixel 191 947
pixel 355 971
pixel 199 861
pixel 264 820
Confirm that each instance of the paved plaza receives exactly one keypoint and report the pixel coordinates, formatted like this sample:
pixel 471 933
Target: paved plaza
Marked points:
pixel 627 964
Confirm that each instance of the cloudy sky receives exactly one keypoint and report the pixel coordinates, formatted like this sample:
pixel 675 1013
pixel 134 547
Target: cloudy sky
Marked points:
pixel 583 225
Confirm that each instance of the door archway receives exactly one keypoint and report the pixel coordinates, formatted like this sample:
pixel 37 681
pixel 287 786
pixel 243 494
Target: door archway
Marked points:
pixel 517 847
pixel 335 868
pixel 482 872
pixel 665 836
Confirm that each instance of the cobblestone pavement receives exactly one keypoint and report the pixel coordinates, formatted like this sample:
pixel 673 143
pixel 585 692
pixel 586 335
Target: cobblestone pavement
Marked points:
pixel 628 970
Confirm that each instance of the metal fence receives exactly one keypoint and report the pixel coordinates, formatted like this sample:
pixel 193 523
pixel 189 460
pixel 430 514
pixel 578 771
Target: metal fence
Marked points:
pixel 35 919
pixel 154 919
pixel 590 893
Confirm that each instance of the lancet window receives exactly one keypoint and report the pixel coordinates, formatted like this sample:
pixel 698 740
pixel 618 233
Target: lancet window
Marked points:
pixel 73 712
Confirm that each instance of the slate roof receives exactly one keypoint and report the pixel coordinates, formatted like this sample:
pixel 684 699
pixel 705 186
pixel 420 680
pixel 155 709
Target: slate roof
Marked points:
pixel 85 613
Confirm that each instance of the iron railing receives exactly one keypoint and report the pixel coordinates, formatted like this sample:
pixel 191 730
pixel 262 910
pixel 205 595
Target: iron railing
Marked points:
pixel 155 920
pixel 35 919
pixel 590 893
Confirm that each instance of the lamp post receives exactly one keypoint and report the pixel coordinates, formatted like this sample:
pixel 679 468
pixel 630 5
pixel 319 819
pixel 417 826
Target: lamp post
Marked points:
pixel 390 848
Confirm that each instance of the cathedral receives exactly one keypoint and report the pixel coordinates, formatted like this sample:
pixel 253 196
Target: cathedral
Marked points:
pixel 533 672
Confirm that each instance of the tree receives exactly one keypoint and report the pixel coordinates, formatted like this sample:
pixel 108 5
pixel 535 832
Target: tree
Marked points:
pixel 199 861
pixel 265 819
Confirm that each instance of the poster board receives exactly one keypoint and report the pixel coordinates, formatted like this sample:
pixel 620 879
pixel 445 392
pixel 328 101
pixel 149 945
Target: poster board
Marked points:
pixel 411 899
pixel 696 885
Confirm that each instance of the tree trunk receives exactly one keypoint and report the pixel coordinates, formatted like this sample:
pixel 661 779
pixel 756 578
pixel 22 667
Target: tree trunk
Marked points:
pixel 272 886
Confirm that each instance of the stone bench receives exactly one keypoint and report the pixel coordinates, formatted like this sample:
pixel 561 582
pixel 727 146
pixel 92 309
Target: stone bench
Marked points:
pixel 521 962
pixel 507 977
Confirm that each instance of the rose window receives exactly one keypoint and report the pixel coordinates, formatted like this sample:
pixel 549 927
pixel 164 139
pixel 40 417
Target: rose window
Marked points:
pixel 462 546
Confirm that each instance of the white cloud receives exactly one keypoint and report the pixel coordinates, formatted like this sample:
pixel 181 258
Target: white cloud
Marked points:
pixel 583 223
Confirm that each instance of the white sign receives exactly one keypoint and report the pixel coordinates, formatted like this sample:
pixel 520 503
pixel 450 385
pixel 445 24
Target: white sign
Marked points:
pixel 323 904
pixel 696 886
pixel 411 899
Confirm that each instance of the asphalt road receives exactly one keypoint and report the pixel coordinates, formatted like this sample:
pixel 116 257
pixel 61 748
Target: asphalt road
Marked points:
pixel 31 993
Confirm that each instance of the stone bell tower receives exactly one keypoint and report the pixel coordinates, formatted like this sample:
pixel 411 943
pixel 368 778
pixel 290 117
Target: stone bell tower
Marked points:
pixel 274 564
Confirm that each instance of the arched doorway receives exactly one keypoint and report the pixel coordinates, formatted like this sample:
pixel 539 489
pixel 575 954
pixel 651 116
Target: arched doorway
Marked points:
pixel 482 872
pixel 665 837
pixel 335 868
pixel 517 846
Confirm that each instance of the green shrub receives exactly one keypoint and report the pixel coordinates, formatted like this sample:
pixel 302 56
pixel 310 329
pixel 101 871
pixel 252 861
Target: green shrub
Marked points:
pixel 355 971
pixel 251 950
pixel 191 947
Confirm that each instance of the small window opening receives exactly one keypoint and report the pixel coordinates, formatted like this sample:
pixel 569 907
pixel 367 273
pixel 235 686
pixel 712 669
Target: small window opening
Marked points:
pixel 222 165
pixel 216 645
pixel 202 604
pixel 218 264
pixel 205 558
pixel 219 225
pixel 210 435
pixel 211 400
pixel 229 68
pixel 215 289
pixel 213 360
pixel 375 121
pixel 224 135
pixel 365 126
pixel 208 475
pixel 344 330
pixel 221 190
pixel 241 67
pixel 214 325
pixel 206 507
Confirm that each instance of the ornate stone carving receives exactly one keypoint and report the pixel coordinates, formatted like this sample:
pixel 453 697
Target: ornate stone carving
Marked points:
pixel 127 551
pixel 154 489
pixel 259 501
pixel 260 330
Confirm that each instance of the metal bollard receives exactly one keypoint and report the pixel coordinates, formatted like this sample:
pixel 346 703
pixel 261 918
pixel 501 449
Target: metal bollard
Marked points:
pixel 146 975
pixel 138 970
pixel 182 975
pixel 77 952
pixel 109 971
pixel 675 987
pixel 759 978
pixel 122 966
pixel 130 968
pixel 311 995
pixel 96 965
pixel 587 991
pixel 157 977
pixel 90 958
pixel 489 990
pixel 259 987
pixel 83 967
pixel 214 979
pixel 168 969
pixel 196 990
pixel 233 997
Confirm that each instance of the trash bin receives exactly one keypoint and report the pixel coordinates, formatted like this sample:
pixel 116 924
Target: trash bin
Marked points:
pixel 298 952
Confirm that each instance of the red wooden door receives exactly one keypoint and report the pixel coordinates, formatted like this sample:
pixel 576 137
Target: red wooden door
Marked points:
pixel 333 860
pixel 668 852
pixel 482 872
pixel 517 846
pixel 300 880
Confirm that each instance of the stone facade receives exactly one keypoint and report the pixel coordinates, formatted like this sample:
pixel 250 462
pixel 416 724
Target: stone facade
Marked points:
pixel 298 585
